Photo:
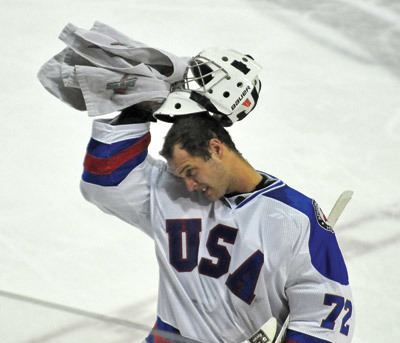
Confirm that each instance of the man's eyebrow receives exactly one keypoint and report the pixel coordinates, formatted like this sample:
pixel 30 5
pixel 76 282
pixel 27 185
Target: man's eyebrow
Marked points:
pixel 175 172
pixel 183 169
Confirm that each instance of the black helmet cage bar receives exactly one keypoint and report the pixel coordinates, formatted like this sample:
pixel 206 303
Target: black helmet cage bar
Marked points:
pixel 198 74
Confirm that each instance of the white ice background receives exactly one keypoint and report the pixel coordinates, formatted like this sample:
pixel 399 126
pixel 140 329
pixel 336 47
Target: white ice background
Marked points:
pixel 328 120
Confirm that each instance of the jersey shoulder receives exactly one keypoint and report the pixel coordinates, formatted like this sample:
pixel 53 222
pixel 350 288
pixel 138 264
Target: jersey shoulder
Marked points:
pixel 325 253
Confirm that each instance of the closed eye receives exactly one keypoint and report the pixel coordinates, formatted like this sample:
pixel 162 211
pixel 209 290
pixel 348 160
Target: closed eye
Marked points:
pixel 190 172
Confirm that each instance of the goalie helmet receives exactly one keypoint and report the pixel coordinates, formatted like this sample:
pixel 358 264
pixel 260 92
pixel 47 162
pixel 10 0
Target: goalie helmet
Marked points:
pixel 223 82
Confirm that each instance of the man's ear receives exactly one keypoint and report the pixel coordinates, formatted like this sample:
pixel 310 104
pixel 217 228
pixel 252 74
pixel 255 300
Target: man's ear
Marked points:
pixel 216 147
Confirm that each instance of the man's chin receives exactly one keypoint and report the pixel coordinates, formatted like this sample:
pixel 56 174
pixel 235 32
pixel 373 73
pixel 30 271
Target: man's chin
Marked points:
pixel 208 194
pixel 212 196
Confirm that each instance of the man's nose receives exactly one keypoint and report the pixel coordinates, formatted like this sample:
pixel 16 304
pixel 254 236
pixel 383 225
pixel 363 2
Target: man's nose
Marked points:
pixel 191 185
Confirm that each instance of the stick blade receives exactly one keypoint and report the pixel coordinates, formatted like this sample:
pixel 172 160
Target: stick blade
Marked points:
pixel 282 333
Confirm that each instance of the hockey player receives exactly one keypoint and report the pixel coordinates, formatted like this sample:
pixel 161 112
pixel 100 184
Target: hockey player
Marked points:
pixel 235 246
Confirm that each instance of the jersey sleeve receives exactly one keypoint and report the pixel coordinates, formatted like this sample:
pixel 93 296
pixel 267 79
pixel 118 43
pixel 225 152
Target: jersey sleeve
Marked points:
pixel 318 290
pixel 118 172
pixel 317 285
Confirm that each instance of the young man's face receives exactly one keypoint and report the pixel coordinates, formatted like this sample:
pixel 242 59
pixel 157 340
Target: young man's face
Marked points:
pixel 208 177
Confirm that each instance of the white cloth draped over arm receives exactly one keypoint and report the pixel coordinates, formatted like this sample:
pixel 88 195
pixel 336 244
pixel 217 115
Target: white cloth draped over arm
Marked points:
pixel 102 70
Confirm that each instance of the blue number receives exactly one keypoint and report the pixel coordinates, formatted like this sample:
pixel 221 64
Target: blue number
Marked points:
pixel 340 303
pixel 345 327
pixel 216 270
pixel 330 299
pixel 242 282
pixel 184 239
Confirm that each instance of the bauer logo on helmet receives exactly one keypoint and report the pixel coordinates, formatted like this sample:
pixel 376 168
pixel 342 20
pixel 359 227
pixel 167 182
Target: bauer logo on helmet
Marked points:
pixel 237 102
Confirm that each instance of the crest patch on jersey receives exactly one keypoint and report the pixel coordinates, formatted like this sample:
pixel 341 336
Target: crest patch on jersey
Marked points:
pixel 321 218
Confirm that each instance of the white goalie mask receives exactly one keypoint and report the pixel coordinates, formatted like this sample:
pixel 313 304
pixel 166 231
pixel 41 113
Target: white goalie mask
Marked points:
pixel 223 82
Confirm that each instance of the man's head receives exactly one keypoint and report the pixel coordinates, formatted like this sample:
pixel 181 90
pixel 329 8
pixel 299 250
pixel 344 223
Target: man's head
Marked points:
pixel 199 150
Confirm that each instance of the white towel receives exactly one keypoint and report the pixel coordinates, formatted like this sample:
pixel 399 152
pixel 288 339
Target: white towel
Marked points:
pixel 103 71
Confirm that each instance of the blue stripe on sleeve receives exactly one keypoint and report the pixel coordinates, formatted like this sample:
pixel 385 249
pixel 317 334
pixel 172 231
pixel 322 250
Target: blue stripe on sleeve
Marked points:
pixel 325 253
pixel 298 337
pixel 118 175
pixel 103 150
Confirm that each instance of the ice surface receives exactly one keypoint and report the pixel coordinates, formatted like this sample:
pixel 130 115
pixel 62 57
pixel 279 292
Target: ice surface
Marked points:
pixel 328 120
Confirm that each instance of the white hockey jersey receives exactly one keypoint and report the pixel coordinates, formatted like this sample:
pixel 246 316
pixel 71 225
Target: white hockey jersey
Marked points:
pixel 228 266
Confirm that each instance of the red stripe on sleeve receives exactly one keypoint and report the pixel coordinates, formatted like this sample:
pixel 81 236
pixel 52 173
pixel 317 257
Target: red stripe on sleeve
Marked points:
pixel 104 166
pixel 158 338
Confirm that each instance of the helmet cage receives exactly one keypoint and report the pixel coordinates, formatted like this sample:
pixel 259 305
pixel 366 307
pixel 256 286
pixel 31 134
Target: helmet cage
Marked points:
pixel 203 75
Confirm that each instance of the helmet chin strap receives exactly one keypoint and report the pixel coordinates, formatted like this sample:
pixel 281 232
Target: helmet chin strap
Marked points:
pixel 173 118
pixel 207 104
pixel 204 101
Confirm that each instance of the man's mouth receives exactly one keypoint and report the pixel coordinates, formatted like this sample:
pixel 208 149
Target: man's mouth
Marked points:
pixel 204 190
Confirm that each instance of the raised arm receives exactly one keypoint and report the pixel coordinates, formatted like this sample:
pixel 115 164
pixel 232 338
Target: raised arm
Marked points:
pixel 118 170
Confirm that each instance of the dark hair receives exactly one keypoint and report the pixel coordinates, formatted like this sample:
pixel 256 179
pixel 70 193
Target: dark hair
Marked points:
pixel 193 132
